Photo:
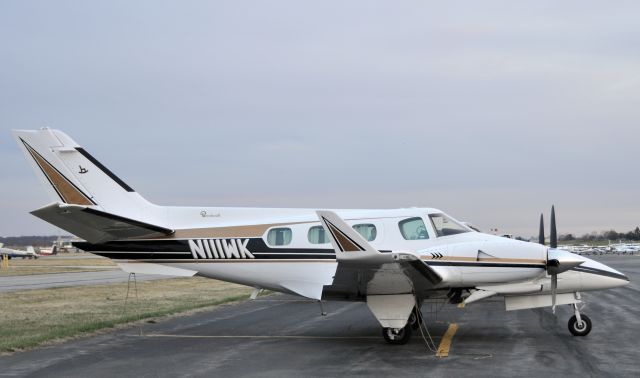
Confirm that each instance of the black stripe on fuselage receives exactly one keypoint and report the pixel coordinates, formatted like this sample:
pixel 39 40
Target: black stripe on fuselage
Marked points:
pixel 181 245
pixel 178 249
pixel 600 272
pixel 189 258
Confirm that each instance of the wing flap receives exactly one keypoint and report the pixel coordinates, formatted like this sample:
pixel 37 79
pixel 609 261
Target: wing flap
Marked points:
pixel 97 226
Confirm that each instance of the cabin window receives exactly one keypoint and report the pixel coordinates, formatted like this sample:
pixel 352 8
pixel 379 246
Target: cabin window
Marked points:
pixel 279 236
pixel 445 226
pixel 317 235
pixel 413 229
pixel 367 230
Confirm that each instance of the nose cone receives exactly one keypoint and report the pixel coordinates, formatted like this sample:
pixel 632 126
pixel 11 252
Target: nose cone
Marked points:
pixel 596 276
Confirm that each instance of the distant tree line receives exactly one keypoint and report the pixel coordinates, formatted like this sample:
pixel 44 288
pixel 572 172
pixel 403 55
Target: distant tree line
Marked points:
pixel 23 241
pixel 605 235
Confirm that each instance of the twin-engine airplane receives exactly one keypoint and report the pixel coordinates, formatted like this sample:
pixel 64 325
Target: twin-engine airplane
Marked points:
pixel 392 259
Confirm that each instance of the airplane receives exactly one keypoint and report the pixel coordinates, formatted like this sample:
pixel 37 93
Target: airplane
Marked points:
pixel 625 248
pixel 48 251
pixel 11 253
pixel 391 259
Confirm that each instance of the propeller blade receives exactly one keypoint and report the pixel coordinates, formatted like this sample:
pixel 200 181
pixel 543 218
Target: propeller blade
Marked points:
pixel 554 289
pixel 553 235
pixel 541 233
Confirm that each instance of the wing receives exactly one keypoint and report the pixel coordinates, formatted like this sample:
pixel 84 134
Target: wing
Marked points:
pixel 97 226
pixel 363 270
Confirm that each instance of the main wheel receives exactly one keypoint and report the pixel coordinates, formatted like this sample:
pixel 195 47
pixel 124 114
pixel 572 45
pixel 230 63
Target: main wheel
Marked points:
pixel 580 329
pixel 398 337
pixel 413 321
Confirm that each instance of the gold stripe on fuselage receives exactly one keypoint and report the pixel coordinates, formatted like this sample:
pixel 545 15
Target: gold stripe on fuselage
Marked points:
pixel 488 260
pixel 249 231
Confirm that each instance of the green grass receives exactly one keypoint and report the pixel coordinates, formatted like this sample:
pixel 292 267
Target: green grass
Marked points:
pixel 35 317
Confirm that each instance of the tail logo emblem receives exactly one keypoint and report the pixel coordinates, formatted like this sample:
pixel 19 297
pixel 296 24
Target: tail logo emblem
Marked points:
pixel 83 170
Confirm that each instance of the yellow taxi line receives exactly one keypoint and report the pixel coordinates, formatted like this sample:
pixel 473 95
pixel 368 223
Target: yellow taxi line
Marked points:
pixel 445 343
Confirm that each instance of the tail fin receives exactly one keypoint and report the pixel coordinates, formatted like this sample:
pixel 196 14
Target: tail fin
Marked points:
pixel 74 177
pixel 30 249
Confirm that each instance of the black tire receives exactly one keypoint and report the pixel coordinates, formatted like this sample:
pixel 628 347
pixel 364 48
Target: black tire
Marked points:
pixel 400 338
pixel 577 331
pixel 413 321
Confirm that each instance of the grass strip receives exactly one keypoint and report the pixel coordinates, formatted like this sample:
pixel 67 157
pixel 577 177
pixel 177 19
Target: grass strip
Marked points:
pixel 13 271
pixel 56 264
pixel 35 317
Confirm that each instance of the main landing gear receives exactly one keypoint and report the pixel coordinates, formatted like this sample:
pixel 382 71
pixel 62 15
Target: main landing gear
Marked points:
pixel 401 336
pixel 579 325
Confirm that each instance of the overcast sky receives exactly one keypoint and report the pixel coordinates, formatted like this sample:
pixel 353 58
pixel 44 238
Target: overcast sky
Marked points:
pixel 490 111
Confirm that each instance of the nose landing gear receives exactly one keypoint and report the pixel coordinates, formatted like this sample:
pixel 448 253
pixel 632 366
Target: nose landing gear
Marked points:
pixel 579 325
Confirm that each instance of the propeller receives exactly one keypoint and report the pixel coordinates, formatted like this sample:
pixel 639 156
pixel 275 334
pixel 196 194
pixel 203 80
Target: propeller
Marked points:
pixel 553 235
pixel 541 234
pixel 558 261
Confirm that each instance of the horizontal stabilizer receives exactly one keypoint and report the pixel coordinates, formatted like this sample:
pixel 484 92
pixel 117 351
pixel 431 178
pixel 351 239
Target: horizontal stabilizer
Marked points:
pixel 97 226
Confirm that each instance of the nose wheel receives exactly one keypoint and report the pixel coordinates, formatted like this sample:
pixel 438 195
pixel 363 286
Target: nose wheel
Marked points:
pixel 579 325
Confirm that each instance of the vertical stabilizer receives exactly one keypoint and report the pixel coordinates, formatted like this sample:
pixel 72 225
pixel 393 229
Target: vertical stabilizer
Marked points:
pixel 72 176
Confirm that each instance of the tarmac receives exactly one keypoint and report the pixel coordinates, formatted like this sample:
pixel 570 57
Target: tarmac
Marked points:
pixel 51 280
pixel 282 336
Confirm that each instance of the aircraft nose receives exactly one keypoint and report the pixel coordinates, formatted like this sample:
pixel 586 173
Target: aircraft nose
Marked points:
pixel 597 276
pixel 621 280
pixel 624 280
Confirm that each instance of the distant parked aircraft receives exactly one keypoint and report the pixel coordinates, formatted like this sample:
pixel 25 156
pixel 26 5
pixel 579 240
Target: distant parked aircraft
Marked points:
pixel 29 253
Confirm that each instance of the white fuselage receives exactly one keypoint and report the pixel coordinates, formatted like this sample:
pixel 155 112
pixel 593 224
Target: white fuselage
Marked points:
pixel 297 265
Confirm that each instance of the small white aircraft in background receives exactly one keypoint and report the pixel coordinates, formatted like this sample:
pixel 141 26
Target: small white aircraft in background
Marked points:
pixel 47 251
pixel 30 253
pixel 625 248
pixel 391 259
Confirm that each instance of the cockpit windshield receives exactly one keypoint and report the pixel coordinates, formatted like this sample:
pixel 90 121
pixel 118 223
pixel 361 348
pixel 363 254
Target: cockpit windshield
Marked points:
pixel 444 226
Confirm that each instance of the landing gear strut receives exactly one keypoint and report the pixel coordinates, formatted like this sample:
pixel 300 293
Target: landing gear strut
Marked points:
pixel 579 325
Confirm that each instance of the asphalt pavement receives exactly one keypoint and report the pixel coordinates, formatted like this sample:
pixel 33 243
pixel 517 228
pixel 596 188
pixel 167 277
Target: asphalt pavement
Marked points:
pixel 284 336
pixel 51 280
